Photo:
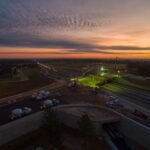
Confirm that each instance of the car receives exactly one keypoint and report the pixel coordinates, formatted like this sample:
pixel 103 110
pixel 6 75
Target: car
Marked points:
pixel 112 97
pixel 27 110
pixel 116 100
pixel 56 101
pixel 34 95
pixel 113 102
pixel 41 95
pixel 16 113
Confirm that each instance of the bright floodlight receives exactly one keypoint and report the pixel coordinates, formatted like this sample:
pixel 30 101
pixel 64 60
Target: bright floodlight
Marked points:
pixel 102 68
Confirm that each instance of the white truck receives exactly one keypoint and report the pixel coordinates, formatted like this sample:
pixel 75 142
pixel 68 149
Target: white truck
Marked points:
pixel 41 95
pixel 20 112
pixel 50 103
pixel 46 104
pixel 113 102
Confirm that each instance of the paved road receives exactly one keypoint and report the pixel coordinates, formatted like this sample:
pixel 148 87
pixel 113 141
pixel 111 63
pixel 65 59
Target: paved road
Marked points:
pixel 18 97
pixel 132 94
pixel 49 67
pixel 24 102
pixel 24 99
pixel 129 104
pixel 6 110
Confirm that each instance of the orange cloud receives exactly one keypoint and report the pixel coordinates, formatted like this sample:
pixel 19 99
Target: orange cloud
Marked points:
pixel 57 53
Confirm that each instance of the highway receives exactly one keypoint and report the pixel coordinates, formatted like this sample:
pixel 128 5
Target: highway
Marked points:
pixel 49 67
pixel 24 100
pixel 34 104
pixel 6 110
pixel 132 94
pixel 27 101
pixel 20 96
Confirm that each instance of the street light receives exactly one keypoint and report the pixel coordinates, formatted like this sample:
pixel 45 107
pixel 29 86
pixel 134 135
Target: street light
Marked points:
pixel 102 69
pixel 118 73
pixel 102 73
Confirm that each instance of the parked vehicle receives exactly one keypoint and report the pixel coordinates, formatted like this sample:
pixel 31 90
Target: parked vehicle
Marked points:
pixel 34 95
pixel 20 112
pixel 41 95
pixel 56 101
pixel 74 84
pixel 112 98
pixel 46 104
pixel 27 110
pixel 113 102
pixel 50 103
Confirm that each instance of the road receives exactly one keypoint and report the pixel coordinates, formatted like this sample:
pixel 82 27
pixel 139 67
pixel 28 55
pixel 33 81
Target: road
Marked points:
pixel 24 99
pixel 24 102
pixel 130 106
pixel 127 103
pixel 132 94
pixel 49 67
pixel 35 105
pixel 18 97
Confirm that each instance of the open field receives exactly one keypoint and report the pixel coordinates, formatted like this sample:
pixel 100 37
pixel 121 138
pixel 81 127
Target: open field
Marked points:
pixel 35 80
pixel 90 80
pixel 9 78
pixel 95 80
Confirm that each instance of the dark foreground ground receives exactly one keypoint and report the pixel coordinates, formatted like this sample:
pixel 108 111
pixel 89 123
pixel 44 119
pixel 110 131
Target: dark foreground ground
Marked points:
pixel 72 141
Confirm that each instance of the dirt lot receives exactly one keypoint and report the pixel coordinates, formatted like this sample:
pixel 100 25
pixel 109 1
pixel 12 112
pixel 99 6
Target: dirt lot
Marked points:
pixel 82 95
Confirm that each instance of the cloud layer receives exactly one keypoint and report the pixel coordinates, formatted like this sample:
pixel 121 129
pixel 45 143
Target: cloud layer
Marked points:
pixel 61 24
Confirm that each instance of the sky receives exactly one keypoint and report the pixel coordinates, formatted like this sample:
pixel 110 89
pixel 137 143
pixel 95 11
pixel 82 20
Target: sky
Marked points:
pixel 74 29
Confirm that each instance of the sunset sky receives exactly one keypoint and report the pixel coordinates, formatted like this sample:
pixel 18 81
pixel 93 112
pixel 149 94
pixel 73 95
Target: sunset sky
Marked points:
pixel 74 28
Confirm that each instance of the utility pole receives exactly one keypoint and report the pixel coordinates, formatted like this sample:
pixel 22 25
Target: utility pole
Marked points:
pixel 98 70
pixel 116 61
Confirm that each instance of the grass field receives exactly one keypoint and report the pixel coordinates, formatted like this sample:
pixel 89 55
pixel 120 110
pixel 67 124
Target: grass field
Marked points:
pixel 94 80
pixel 10 78
pixel 90 80
pixel 35 80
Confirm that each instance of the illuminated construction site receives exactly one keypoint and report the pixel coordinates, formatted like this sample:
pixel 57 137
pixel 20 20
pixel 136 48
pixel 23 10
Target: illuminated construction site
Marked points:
pixel 102 77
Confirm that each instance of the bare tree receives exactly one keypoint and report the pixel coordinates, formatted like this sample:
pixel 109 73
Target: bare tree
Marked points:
pixel 53 128
pixel 87 130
